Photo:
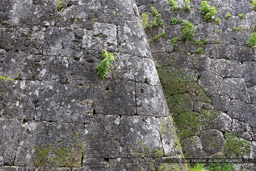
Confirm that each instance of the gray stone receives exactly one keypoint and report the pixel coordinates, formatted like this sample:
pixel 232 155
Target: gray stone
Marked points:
pixel 136 138
pixel 148 103
pixel 249 74
pixel 243 112
pixel 193 147
pixel 227 68
pixel 102 137
pixel 209 82
pixel 252 93
pixel 235 88
pixel 112 95
pixel 217 120
pixel 243 129
pixel 213 141
pixel 56 112
pixel 221 101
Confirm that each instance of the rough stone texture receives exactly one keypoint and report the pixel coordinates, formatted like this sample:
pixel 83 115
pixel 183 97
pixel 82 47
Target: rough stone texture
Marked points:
pixel 213 141
pixel 57 98
pixel 225 72
pixel 58 113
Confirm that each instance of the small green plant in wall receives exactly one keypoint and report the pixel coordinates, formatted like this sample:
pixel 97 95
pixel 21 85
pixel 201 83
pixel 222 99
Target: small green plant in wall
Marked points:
pixel 254 4
pixel 175 21
pixel 188 30
pixel 60 5
pixel 237 29
pixel 163 35
pixel 173 4
pixel 76 19
pixel 145 20
pixel 200 43
pixel 217 20
pixel 158 20
pixel 186 7
pixel 106 64
pixel 241 16
pixel 208 11
pixel 228 16
pixel 252 41
pixel 254 27
pixel 175 41
pixel 218 31
pixel 200 50
pixel 6 78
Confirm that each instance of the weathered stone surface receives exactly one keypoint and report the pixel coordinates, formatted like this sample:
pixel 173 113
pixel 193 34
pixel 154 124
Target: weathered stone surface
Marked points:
pixel 252 93
pixel 210 82
pixel 136 138
pixel 224 70
pixel 235 88
pixel 112 95
pixel 217 120
pixel 249 74
pixel 242 128
pixel 102 137
pixel 52 51
pixel 213 141
pixel 56 112
pixel 227 68
pixel 193 147
pixel 148 103
pixel 243 112
pixel 221 101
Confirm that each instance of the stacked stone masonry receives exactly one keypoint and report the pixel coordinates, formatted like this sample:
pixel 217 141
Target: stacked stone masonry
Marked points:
pixel 56 113
pixel 211 95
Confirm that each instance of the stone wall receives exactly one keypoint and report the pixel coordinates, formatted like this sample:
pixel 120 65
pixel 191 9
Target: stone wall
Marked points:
pixel 56 112
pixel 210 88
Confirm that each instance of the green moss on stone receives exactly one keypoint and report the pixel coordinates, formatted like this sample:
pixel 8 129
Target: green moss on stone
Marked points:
pixel 188 123
pixel 197 93
pixel 58 156
pixel 174 80
pixel 6 78
pixel 179 103
pixel 209 114
pixel 236 147
pixel 172 73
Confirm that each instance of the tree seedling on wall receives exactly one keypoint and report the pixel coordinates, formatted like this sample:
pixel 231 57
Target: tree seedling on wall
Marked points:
pixel 228 16
pixel 254 27
pixel 163 35
pixel 106 64
pixel 60 5
pixel 241 16
pixel 238 28
pixel 254 4
pixel 158 20
pixel 186 7
pixel 188 30
pixel 218 31
pixel 217 20
pixel 208 11
pixel 145 20
pixel 175 41
pixel 173 4
pixel 175 21
pixel 252 41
